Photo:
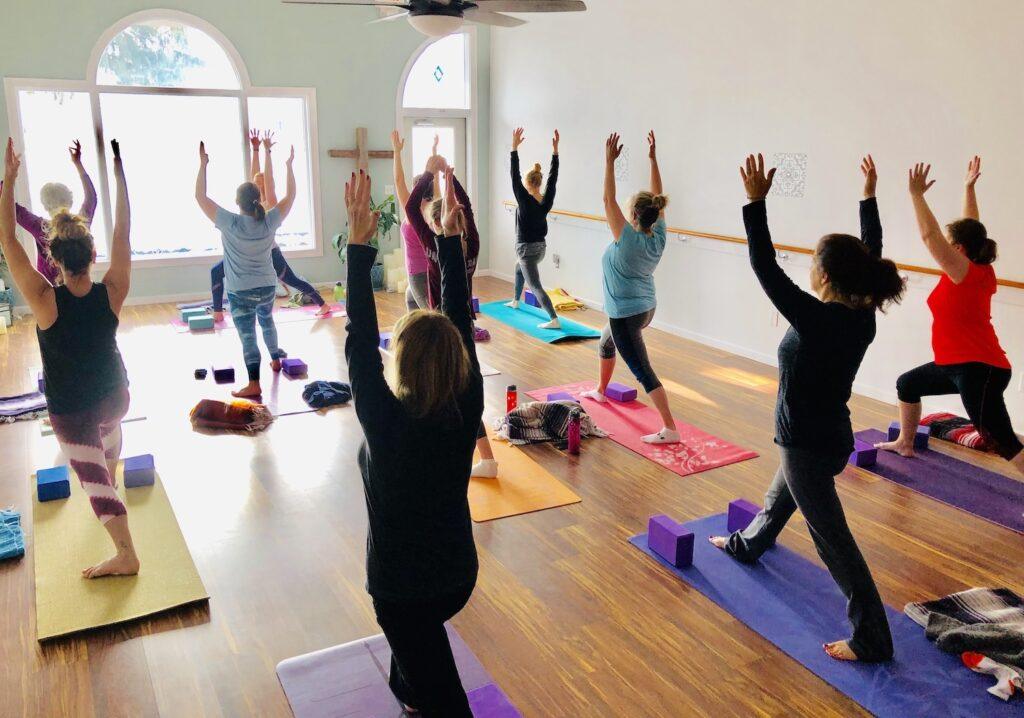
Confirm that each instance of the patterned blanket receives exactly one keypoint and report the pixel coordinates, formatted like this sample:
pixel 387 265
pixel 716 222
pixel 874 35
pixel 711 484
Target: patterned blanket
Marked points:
pixel 950 427
pixel 22 407
pixel 238 415
pixel 541 421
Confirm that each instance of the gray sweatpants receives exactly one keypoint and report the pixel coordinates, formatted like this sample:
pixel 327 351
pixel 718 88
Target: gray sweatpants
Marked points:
pixel 530 255
pixel 416 293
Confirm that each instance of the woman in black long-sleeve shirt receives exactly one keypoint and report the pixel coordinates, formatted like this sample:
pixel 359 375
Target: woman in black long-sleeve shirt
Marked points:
pixel 421 560
pixel 818 361
pixel 532 225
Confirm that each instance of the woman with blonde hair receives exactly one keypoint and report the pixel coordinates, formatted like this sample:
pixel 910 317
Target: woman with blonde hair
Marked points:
pixel 76 324
pixel 416 459
pixel 629 297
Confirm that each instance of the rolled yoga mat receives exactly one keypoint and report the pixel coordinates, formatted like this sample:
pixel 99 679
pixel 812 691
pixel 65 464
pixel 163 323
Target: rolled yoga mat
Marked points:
pixel 282 315
pixel 352 681
pixel 68 538
pixel 796 605
pixel 970 488
pixel 627 422
pixel 526 319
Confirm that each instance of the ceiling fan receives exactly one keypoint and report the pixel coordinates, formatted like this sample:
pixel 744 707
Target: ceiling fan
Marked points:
pixel 436 18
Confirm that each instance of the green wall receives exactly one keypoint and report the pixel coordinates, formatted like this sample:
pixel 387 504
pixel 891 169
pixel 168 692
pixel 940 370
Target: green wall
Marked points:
pixel 354 68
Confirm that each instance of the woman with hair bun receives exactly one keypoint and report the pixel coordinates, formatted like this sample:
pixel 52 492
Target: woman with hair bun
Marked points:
pixel 629 297
pixel 969 360
pixel 249 269
pixel 830 331
pixel 532 225
pixel 76 325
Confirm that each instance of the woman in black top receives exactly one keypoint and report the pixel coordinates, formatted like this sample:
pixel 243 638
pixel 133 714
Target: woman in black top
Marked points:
pixel 818 361
pixel 76 323
pixel 421 560
pixel 532 225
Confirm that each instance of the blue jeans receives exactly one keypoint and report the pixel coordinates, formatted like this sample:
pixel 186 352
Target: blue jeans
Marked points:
pixel 248 306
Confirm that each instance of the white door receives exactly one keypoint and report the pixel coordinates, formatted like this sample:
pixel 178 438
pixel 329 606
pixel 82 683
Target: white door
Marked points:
pixel 451 135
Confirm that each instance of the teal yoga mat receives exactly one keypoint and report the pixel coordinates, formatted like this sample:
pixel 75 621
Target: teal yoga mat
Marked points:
pixel 526 319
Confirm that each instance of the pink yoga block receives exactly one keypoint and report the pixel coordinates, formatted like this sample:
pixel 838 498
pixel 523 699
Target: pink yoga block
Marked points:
pixel 294 367
pixel 561 396
pixel 530 298
pixel 864 454
pixel 670 540
pixel 741 513
pixel 620 392
pixel 920 438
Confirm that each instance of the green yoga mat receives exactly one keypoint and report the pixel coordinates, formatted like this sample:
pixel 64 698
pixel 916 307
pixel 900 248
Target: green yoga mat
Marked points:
pixel 526 319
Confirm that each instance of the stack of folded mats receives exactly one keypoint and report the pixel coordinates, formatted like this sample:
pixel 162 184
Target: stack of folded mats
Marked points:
pixel 541 421
pixel 12 541
pixel 956 429
pixel 22 407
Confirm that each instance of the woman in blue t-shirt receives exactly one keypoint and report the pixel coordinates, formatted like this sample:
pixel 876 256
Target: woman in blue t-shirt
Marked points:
pixel 629 297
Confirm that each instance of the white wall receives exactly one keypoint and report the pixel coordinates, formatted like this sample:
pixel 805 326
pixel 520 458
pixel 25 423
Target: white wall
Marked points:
pixel 933 80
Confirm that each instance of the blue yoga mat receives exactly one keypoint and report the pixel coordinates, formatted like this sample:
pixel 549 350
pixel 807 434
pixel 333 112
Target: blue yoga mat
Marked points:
pixel 797 606
pixel 526 319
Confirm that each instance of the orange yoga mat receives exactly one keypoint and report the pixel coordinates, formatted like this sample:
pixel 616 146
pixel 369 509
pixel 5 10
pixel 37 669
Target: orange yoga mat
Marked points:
pixel 523 486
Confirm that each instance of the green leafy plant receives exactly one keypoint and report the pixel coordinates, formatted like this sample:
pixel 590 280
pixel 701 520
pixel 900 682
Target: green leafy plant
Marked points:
pixel 385 225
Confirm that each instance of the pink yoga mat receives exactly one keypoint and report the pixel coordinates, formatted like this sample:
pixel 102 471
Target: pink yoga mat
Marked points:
pixel 627 422
pixel 282 315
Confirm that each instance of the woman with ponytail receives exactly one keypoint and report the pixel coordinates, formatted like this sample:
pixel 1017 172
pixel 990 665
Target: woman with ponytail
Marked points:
pixel 969 360
pixel 76 325
pixel 629 297
pixel 532 225
pixel 249 270
pixel 830 331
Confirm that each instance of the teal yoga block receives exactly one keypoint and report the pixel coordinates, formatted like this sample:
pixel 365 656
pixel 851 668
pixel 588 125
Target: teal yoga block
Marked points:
pixel 53 484
pixel 187 314
pixel 200 323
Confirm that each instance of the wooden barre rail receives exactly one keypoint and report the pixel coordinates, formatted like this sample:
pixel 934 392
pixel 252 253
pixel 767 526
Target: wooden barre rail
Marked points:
pixel 779 247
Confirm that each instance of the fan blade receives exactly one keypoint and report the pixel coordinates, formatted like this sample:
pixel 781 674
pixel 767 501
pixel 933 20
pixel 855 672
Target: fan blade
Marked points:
pixel 531 5
pixel 485 17
pixel 364 3
pixel 389 18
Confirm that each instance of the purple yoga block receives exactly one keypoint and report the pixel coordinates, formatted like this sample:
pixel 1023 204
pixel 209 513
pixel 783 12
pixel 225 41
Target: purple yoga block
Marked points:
pixel 670 540
pixel 864 454
pixel 561 396
pixel 741 513
pixel 385 340
pixel 491 702
pixel 294 367
pixel 139 471
pixel 476 305
pixel 224 374
pixel 920 437
pixel 530 298
pixel 620 392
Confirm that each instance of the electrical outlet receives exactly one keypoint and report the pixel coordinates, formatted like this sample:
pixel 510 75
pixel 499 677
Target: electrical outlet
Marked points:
pixel 556 260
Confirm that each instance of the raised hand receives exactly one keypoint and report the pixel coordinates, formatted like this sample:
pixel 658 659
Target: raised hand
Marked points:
pixel 652 144
pixel 291 156
pixel 612 148
pixel 204 159
pixel 362 221
pixel 268 140
pixel 517 138
pixel 451 210
pixel 437 141
pixel 12 163
pixel 973 172
pixel 554 142
pixel 397 143
pixel 75 150
pixel 867 168
pixel 115 146
pixel 755 181
pixel 436 164
pixel 254 139
pixel 919 183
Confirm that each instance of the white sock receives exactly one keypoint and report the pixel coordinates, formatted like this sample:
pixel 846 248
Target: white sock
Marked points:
pixel 514 304
pixel 595 395
pixel 553 324
pixel 665 436
pixel 485 469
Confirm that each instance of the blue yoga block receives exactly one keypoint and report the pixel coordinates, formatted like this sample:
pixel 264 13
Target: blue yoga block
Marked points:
pixel 920 438
pixel 139 471
pixel 294 367
pixel 52 484
pixel 187 314
pixel 670 540
pixel 476 305
pixel 741 513
pixel 864 454
pixel 200 323
pixel 531 298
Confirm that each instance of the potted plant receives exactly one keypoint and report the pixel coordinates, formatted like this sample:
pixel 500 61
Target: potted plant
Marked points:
pixel 386 223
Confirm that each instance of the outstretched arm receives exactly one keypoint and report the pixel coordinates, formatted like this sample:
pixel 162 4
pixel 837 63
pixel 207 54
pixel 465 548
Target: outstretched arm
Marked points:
pixel 970 195
pixel 88 208
pixel 401 187
pixel 551 186
pixel 254 155
pixel 656 186
pixel 518 190
pixel 206 204
pixel 950 261
pixel 454 286
pixel 269 188
pixel 612 211
pixel 870 222
pixel 286 204
pixel 118 277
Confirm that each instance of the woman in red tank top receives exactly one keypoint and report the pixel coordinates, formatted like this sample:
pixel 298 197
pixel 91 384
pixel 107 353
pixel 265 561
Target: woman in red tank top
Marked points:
pixel 969 360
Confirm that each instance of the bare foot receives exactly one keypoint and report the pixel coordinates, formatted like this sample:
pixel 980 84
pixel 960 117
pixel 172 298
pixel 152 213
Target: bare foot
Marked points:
pixel 718 541
pixel 249 390
pixel 840 650
pixel 324 310
pixel 126 564
pixel 275 364
pixel 903 448
pixel 218 317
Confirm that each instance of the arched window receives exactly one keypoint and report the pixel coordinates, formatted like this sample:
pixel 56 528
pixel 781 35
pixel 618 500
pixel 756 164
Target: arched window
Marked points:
pixel 438 78
pixel 159 82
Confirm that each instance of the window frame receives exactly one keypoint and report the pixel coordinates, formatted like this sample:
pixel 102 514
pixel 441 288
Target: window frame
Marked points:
pixel 14 85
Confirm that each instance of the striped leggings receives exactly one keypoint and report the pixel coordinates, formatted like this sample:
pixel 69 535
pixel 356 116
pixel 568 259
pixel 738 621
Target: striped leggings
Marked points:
pixel 90 438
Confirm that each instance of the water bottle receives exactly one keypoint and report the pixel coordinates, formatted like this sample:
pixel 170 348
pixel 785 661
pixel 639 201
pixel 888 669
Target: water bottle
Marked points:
pixel 574 431
pixel 339 292
pixel 511 398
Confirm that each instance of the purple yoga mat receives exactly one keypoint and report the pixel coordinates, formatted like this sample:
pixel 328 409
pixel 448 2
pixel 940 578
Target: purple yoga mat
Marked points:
pixel 14 406
pixel 796 605
pixel 351 681
pixel 984 493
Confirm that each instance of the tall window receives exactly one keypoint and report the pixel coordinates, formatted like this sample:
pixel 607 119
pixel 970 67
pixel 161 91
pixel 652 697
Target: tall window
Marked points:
pixel 160 83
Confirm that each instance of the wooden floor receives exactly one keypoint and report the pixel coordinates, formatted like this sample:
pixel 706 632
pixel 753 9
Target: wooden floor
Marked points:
pixel 570 619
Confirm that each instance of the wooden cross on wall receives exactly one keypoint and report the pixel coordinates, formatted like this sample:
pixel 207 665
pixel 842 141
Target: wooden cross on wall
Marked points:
pixel 361 153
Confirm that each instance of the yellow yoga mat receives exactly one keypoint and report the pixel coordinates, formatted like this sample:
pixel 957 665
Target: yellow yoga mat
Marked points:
pixel 68 538
pixel 522 486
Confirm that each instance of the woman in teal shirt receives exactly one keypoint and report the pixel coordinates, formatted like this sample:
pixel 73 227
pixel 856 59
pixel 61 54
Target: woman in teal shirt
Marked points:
pixel 629 296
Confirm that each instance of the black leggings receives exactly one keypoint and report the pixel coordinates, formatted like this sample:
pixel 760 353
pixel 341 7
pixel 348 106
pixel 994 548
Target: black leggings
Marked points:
pixel 423 671
pixel 626 336
pixel 980 387
pixel 284 273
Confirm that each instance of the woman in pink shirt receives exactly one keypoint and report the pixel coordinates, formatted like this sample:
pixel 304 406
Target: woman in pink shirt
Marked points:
pixel 415 257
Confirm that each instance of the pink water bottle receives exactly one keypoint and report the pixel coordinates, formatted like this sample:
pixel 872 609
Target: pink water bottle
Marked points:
pixel 511 398
pixel 574 432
